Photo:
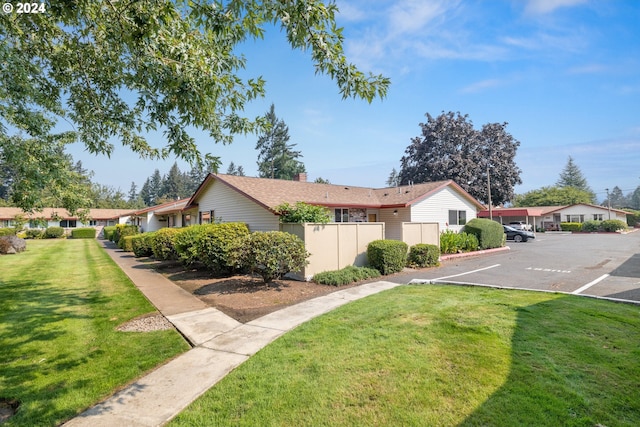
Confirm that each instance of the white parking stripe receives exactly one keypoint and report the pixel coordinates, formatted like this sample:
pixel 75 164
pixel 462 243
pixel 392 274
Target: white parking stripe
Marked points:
pixel 590 284
pixel 468 272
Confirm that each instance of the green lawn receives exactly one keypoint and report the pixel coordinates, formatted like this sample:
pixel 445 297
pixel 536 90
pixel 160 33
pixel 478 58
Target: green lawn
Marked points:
pixel 60 302
pixel 442 356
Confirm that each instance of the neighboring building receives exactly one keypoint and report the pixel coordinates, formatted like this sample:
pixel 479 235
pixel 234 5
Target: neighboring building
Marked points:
pixel 230 198
pixel 550 217
pixel 169 214
pixel 50 217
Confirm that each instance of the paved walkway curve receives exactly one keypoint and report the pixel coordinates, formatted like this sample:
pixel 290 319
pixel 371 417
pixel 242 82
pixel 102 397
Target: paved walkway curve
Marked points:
pixel 220 344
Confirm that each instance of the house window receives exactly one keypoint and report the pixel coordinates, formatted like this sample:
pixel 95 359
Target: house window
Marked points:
pixel 68 223
pixel 457 217
pixel 93 223
pixel 597 217
pixel 341 215
pixel 575 218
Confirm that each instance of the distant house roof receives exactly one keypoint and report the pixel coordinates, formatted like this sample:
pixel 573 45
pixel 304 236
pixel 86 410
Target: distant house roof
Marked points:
pixel 537 210
pixel 51 213
pixel 270 193
pixel 164 208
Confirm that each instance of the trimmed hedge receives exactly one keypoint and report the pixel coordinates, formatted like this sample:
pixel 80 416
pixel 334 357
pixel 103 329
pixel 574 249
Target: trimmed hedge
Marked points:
pixel 423 255
pixel 53 232
pixel 162 244
pixel 122 231
pixel 345 276
pixel 613 225
pixel 591 226
pixel 571 226
pixel 83 233
pixel 217 245
pixel 387 256
pixel 127 243
pixel 272 254
pixel 142 244
pixel 7 231
pixel 489 233
pixel 34 233
pixel 108 232
pixel 186 243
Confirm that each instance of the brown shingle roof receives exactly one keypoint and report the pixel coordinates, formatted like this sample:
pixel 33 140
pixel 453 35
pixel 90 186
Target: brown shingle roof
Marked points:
pixel 272 192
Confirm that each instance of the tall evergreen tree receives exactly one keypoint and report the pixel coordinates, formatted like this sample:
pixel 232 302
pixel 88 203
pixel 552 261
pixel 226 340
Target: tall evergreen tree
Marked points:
pixel 617 198
pixel 634 199
pixel 277 159
pixel 233 170
pixel 133 192
pixel 394 178
pixel 173 185
pixel 145 193
pixel 571 176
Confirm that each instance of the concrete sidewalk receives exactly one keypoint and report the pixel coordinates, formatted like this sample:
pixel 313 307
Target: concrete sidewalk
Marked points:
pixel 220 344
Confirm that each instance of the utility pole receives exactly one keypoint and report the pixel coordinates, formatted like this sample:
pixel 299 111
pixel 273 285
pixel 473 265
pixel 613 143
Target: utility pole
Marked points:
pixel 489 193
pixel 608 202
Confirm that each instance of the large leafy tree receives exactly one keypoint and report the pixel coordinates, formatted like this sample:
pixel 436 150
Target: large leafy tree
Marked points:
pixel 450 148
pixel 277 158
pixel 571 176
pixel 116 70
pixel 552 196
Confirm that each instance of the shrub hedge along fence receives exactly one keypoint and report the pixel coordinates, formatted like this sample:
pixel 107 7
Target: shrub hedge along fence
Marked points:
pixel 387 256
pixel 83 233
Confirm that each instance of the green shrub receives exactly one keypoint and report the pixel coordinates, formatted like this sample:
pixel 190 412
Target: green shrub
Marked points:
pixel 303 212
pixel 345 276
pixel 124 231
pixel 108 232
pixel 613 225
pixel 34 233
pixel 591 226
pixel 53 232
pixel 571 226
pixel 83 233
pixel 423 255
pixel 387 256
pixel 186 243
pixel 633 217
pixel 453 243
pixel 162 244
pixel 217 245
pixel 272 254
pixel 7 231
pixel 489 233
pixel 127 243
pixel 142 244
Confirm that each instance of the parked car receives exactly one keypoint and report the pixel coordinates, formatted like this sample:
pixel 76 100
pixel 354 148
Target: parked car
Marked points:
pixel 517 235
pixel 519 225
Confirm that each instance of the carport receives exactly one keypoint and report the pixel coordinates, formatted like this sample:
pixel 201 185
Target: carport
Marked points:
pixel 531 216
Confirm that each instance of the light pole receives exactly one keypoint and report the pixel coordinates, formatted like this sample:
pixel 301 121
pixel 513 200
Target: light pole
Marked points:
pixel 608 202
pixel 489 193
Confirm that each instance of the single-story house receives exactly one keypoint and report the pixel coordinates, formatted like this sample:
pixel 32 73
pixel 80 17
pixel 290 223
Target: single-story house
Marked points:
pixel 550 217
pixel 169 214
pixel 59 217
pixel 230 198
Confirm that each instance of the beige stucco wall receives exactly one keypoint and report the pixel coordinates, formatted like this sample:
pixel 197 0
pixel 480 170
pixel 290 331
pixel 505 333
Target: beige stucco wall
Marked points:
pixel 421 232
pixel 335 245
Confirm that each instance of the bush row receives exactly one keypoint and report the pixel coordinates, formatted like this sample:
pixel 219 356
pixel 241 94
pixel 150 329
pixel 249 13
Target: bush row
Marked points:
pixel 345 276
pixel 223 248
pixel 453 243
pixel 608 225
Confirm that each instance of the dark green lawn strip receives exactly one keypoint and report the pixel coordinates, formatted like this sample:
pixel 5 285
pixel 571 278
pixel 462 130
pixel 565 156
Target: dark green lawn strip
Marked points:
pixel 60 302
pixel 442 356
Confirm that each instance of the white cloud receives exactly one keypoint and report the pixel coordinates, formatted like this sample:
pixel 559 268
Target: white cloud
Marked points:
pixel 589 69
pixel 412 16
pixel 482 85
pixel 541 7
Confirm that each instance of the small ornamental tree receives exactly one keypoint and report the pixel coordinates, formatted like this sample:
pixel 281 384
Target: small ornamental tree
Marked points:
pixel 272 254
pixel 303 212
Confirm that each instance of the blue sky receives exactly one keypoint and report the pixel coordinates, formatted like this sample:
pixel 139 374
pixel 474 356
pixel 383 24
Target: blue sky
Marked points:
pixel 565 75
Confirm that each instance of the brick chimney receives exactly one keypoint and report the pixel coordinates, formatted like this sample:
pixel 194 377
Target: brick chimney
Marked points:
pixel 302 177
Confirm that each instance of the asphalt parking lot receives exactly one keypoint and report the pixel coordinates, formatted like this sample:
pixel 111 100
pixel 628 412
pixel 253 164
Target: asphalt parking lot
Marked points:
pixel 605 265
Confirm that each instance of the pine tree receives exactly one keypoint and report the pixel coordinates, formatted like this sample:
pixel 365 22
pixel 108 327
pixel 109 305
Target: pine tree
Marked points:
pixel 394 178
pixel 173 185
pixel 571 176
pixel 276 158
